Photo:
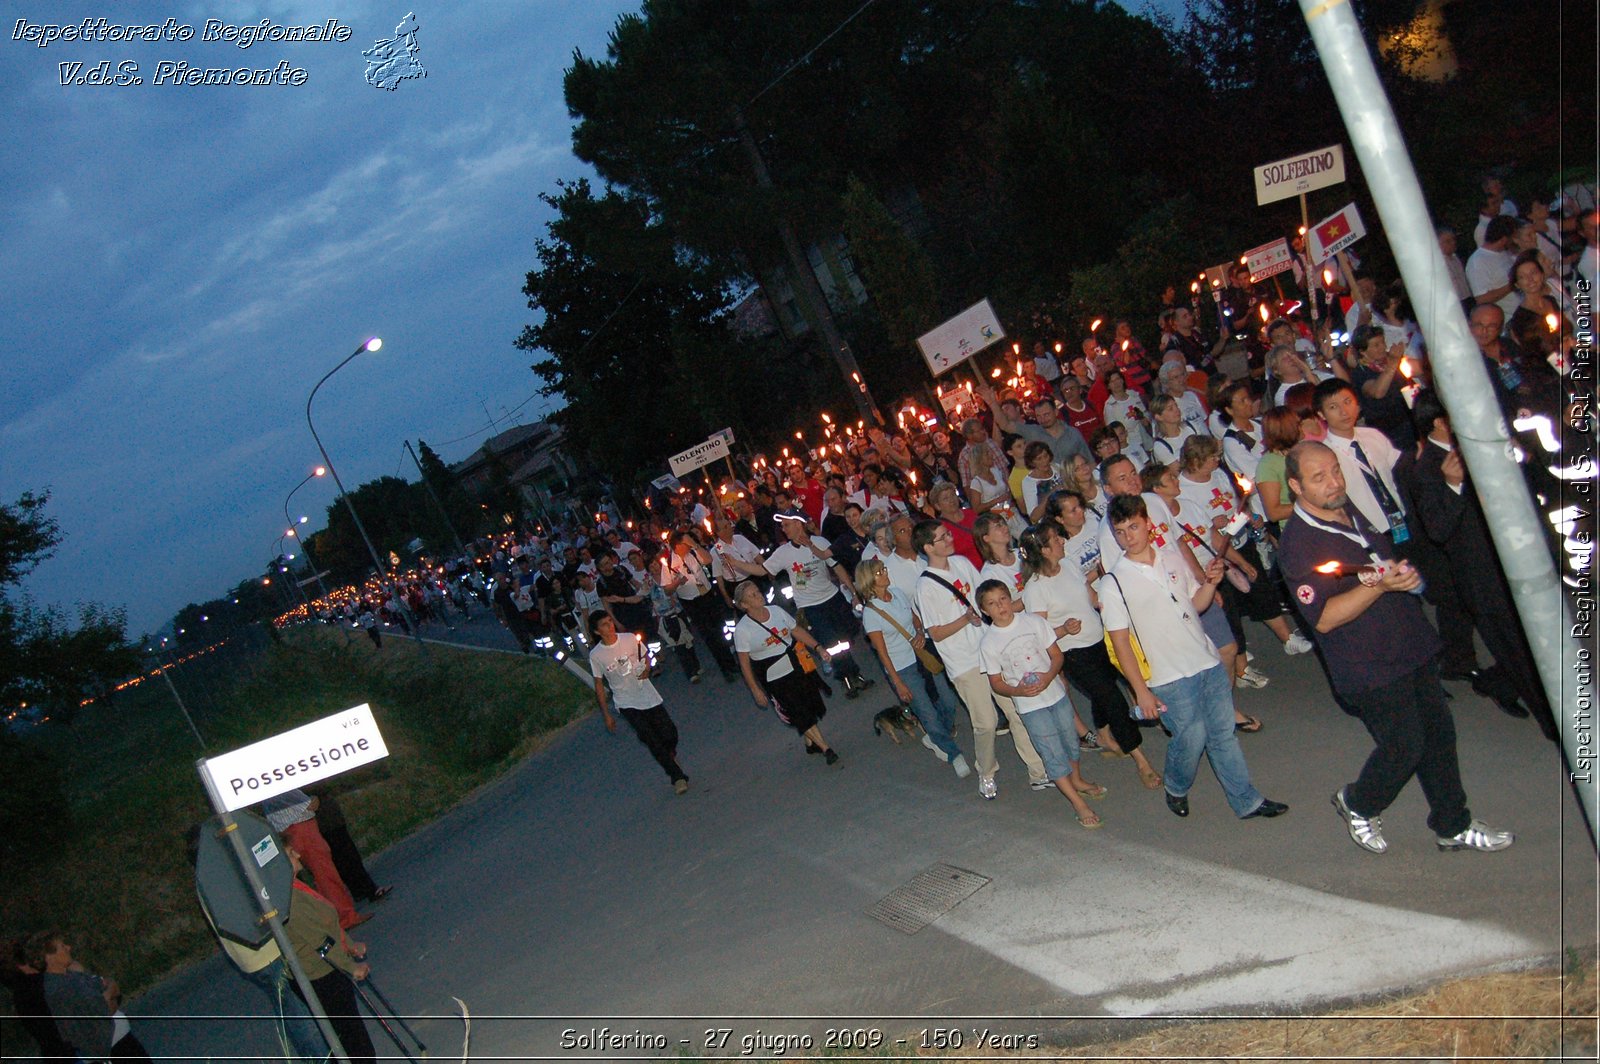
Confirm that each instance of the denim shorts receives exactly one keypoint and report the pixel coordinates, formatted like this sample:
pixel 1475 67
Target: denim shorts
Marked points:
pixel 1055 737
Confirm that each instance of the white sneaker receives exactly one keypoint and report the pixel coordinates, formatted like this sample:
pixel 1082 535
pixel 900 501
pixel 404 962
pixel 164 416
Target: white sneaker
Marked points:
pixel 1478 836
pixel 1252 678
pixel 938 753
pixel 963 770
pixel 1296 644
pixel 987 787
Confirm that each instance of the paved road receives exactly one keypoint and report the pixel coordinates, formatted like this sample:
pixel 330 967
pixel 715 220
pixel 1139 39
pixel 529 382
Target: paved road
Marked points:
pixel 579 891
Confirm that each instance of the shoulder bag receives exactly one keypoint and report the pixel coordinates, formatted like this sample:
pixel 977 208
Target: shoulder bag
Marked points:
pixel 929 659
pixel 1133 636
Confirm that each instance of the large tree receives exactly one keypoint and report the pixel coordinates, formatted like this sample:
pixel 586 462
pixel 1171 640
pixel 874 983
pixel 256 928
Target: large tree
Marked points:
pixel 634 334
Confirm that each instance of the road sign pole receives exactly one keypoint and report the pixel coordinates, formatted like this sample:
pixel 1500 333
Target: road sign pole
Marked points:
pixel 270 914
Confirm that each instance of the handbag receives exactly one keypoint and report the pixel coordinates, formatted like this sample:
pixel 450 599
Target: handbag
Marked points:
pixel 801 658
pixel 930 660
pixel 1133 637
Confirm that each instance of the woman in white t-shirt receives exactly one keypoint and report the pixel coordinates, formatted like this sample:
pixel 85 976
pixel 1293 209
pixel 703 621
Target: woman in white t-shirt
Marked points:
pixel 762 639
pixel 1043 477
pixel 1000 561
pixel 1168 430
pixel 619 661
pixel 1062 596
pixel 889 618
pixel 1125 405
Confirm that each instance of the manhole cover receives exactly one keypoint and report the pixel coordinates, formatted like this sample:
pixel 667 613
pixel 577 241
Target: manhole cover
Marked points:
pixel 925 897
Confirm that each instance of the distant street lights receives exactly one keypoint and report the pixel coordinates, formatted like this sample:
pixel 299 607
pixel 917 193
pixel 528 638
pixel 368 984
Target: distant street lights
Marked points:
pixel 383 576
pixel 293 525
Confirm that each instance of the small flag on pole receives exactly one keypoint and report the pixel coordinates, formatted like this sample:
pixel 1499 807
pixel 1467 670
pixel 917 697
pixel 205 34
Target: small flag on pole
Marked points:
pixel 1335 233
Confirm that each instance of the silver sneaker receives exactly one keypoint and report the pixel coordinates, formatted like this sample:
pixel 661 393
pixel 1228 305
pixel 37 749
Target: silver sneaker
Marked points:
pixel 987 787
pixel 1366 831
pixel 1478 836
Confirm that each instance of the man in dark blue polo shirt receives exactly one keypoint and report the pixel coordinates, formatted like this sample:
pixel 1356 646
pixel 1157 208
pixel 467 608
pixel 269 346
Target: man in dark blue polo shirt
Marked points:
pixel 1381 653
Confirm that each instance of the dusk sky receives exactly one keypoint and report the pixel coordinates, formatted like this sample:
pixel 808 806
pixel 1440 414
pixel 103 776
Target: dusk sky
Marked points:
pixel 183 262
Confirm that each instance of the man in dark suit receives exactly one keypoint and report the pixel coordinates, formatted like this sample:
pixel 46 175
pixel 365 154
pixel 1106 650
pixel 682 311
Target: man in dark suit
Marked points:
pixel 1448 512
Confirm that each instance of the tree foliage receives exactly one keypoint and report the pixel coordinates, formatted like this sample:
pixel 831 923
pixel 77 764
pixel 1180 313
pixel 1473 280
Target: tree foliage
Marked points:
pixel 634 334
pixel 48 656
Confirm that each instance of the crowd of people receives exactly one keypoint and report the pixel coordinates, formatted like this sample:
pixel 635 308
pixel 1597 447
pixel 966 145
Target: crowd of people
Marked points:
pixel 1105 523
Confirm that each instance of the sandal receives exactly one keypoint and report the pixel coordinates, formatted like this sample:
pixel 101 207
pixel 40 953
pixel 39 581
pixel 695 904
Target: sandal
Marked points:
pixel 1248 725
pixel 1092 790
pixel 1091 822
pixel 1150 778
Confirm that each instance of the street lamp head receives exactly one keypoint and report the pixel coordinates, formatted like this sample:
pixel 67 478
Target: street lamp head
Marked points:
pixel 374 343
pixel 290 532
pixel 303 519
pixel 320 471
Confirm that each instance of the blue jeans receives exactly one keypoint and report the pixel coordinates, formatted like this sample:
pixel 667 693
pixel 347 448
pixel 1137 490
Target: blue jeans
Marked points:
pixel 295 1024
pixel 938 717
pixel 1200 716
pixel 1054 731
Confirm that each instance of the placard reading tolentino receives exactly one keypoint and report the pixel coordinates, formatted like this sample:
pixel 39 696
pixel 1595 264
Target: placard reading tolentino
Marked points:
pixel 295 758
pixel 1299 174
pixel 701 454
pixel 960 338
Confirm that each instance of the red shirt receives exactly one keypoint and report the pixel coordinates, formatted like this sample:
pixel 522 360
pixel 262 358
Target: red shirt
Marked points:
pixel 1085 421
pixel 962 539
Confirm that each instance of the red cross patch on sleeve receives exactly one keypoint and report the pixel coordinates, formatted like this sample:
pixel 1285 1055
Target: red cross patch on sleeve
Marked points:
pixel 1305 594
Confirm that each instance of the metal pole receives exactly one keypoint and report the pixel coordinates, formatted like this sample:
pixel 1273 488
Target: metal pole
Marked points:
pixel 372 552
pixel 442 511
pixel 1461 380
pixel 176 697
pixel 270 914
pixel 305 549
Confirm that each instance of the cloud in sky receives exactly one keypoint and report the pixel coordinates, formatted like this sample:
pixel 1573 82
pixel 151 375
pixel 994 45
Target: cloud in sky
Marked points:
pixel 184 262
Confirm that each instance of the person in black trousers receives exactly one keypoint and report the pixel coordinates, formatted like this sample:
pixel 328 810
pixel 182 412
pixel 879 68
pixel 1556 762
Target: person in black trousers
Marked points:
pixel 1448 510
pixel 346 855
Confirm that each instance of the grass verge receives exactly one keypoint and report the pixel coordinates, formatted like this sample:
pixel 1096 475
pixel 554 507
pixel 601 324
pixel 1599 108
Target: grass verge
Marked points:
pixel 117 879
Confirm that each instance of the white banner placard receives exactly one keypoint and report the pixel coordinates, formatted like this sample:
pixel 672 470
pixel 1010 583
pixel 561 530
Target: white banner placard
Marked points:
pixel 960 338
pixel 1335 233
pixel 701 454
pixel 1268 259
pixel 1299 174
pixel 297 757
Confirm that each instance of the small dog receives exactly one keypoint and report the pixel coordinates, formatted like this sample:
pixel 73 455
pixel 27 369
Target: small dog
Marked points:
pixel 894 719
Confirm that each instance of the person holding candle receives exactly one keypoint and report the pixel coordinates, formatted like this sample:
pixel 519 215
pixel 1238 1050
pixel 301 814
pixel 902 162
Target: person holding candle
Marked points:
pixel 1381 654
pixel 619 660
pixel 784 655
pixel 1378 378
pixel 1177 674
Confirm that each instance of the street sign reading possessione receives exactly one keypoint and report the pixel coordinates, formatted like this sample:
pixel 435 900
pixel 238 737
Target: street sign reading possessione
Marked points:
pixel 296 757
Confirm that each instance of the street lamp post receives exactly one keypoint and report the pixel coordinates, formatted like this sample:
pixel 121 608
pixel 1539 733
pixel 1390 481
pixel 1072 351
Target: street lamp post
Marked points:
pixel 290 523
pixel 383 576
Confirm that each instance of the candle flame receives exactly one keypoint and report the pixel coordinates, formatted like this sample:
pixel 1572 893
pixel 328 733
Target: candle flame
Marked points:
pixel 1302 230
pixel 1245 485
pixel 1405 368
pixel 1019 367
pixel 1244 260
pixel 940 391
pixel 1266 313
pixel 1194 286
pixel 1094 326
pixel 798 436
pixel 1016 349
pixel 1329 567
pixel 826 418
pixel 1125 344
pixel 1553 322
pixel 856 377
pixel 913 476
pixel 996 373
pixel 1327 277
pixel 1058 347
pixel 786 452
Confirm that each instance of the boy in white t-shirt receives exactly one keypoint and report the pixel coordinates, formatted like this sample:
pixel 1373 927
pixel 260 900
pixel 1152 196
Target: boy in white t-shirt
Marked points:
pixel 1020 656
pixel 619 661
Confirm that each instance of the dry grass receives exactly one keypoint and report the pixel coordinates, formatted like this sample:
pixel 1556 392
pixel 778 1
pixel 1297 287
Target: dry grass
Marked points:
pixel 1511 1016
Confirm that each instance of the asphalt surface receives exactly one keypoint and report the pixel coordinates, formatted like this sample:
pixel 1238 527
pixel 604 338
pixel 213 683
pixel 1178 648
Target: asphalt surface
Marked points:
pixel 579 895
